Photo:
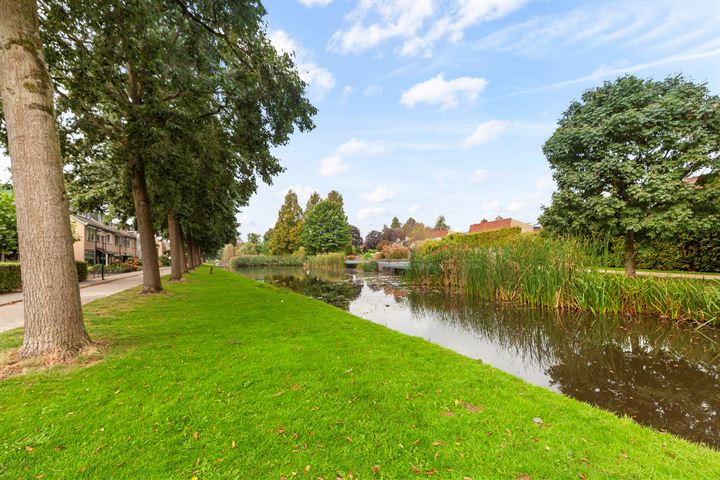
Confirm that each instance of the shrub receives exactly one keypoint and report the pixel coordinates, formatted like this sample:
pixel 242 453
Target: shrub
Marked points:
pixel 468 241
pixel 370 266
pixel 10 277
pixel 82 270
pixel 164 260
pixel 395 252
pixel 266 261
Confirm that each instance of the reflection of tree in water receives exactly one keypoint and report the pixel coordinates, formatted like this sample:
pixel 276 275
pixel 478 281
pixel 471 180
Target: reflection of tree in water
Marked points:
pixel 335 288
pixel 661 375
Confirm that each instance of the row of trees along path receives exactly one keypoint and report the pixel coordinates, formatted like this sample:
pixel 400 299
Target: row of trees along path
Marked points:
pixel 163 112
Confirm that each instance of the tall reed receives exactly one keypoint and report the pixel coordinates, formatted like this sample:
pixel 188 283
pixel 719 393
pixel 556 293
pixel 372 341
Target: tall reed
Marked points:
pixel 560 273
pixel 327 261
pixel 266 260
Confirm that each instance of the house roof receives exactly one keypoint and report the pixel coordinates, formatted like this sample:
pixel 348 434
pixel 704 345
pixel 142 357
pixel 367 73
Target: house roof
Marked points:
pixel 101 226
pixel 438 233
pixel 496 224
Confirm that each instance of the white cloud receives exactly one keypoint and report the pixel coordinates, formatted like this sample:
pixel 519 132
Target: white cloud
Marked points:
pixel 444 92
pixel 320 80
pixel 376 21
pixel 360 147
pixel 379 195
pixel 452 25
pixel 413 208
pixel 332 166
pixel 346 91
pixel 397 19
pixel 485 132
pixel 515 206
pixel 372 90
pixel 370 212
pixel 480 176
pixel 313 3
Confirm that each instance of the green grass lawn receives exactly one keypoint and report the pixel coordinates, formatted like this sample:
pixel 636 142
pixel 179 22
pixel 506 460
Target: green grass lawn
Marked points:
pixel 226 378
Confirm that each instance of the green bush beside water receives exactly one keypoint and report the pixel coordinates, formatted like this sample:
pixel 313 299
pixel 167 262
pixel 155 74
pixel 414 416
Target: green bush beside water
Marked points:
pixel 469 240
pixel 10 277
pixel 266 261
pixel 559 273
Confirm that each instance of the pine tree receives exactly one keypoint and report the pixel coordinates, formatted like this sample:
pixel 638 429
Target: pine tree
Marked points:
pixel 395 223
pixel 334 196
pixel 326 229
pixel 286 238
pixel 441 223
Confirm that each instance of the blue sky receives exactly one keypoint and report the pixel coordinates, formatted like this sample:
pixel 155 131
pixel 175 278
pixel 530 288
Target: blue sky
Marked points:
pixel 431 107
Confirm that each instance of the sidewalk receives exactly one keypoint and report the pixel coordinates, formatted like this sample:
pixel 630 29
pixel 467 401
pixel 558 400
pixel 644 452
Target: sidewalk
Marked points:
pixel 696 276
pixel 11 304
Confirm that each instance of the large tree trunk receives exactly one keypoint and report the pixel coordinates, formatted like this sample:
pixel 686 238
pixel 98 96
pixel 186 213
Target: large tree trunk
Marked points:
pixel 198 256
pixel 183 257
pixel 176 254
pixel 53 314
pixel 630 254
pixel 143 217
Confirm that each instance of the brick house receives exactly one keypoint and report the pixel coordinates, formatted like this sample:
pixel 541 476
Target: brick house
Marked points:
pixel 498 223
pixel 101 242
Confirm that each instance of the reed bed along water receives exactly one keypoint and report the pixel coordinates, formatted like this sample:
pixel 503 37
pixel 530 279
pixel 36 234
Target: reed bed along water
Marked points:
pixel 560 273
pixel 327 261
pixel 266 261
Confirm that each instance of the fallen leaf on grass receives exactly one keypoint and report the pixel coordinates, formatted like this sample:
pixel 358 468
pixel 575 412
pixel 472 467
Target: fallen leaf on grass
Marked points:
pixel 295 386
pixel 195 435
pixel 233 444
pixel 448 413
pixel 524 476
pixel 349 439
pixel 375 469
pixel 469 406
pixel 437 443
pixel 28 448
pixel 307 468
pixel 415 470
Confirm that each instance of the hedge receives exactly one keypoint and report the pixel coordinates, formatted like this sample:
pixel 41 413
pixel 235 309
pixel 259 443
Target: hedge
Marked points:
pixel 10 279
pixel 469 240
pixel 698 252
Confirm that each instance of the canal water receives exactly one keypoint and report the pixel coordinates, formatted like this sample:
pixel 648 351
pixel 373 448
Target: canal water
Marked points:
pixel 661 375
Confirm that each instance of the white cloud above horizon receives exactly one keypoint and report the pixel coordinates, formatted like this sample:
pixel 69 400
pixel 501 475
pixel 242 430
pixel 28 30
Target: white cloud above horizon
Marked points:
pixel 485 132
pixel 360 147
pixel 320 80
pixel 480 176
pixel 378 195
pixel 446 93
pixel 332 166
pixel 367 213
pixel 316 3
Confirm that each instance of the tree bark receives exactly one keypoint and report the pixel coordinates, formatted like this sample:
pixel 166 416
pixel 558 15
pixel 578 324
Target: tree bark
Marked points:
pixel 53 314
pixel 198 256
pixel 176 254
pixel 143 217
pixel 630 254
pixel 183 254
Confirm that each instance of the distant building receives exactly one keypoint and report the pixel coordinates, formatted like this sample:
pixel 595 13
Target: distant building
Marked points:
pixel 101 242
pixel 438 233
pixel 498 223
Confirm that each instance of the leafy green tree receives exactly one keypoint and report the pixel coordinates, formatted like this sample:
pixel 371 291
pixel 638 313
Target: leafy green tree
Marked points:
pixel 286 238
pixel 395 223
pixel 357 239
pixel 441 223
pixel 334 196
pixel 326 229
pixel 623 158
pixel 267 241
pixel 8 224
pixel 314 199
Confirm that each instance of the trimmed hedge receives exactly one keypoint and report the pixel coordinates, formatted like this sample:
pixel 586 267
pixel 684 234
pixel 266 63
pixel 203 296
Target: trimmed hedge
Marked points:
pixel 10 279
pixel 698 252
pixel 468 241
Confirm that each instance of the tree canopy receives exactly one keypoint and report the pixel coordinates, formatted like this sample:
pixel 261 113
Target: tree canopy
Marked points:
pixel 636 158
pixel 441 223
pixel 286 237
pixel 326 228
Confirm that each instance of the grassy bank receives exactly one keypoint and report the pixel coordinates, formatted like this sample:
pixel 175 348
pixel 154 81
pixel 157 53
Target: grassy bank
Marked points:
pixel 558 273
pixel 225 378
pixel 266 261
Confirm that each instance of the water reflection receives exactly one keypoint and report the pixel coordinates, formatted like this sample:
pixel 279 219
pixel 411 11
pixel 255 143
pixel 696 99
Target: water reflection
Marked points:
pixel 661 375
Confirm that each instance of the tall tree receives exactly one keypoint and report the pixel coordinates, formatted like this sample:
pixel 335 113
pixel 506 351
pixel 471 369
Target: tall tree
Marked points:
pixel 286 238
pixel 372 239
pixel 357 239
pixel 325 229
pixel 623 157
pixel 441 223
pixel 395 223
pixel 53 315
pixel 314 199
pixel 335 196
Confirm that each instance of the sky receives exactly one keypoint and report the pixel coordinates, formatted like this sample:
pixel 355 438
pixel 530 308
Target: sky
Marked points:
pixel 430 107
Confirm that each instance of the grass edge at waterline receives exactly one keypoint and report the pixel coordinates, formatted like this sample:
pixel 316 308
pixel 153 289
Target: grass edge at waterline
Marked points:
pixel 222 367
pixel 266 261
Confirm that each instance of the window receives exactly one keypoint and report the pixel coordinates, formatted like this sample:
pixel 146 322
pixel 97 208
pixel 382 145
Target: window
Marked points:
pixel 90 234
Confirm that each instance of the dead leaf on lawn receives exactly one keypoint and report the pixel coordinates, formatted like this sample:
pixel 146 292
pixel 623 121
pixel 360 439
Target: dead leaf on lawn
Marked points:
pixel 524 476
pixel 437 443
pixel 195 435
pixel 375 469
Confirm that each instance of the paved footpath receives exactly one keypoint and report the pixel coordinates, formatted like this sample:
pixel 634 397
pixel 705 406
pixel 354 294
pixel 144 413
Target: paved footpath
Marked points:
pixel 11 304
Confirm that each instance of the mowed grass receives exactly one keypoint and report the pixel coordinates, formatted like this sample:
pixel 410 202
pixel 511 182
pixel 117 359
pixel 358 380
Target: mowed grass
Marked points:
pixel 222 377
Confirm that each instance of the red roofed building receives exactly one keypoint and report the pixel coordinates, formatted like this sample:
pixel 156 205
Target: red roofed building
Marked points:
pixel 498 223
pixel 438 233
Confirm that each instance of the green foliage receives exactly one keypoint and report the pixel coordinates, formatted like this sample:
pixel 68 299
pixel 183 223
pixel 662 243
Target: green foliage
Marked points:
pixel 333 260
pixel 441 223
pixel 395 251
pixel 464 241
pixel 266 260
pixel 369 266
pixel 621 157
pixel 286 237
pixel 10 279
pixel 164 260
pixel 357 239
pixel 314 199
pixel 552 272
pixel 82 270
pixel 8 226
pixel 695 251
pixel 237 361
pixel 334 196
pixel 326 228
pixel 395 223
